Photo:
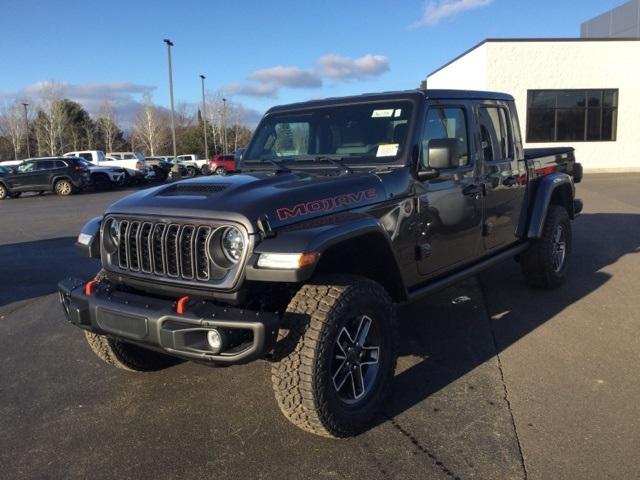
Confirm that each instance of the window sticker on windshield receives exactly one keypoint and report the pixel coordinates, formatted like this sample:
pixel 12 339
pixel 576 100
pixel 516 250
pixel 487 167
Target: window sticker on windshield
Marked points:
pixel 382 113
pixel 387 150
pixel 398 112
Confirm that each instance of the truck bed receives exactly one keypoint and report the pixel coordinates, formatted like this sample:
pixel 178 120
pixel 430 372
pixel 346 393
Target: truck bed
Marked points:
pixel 553 159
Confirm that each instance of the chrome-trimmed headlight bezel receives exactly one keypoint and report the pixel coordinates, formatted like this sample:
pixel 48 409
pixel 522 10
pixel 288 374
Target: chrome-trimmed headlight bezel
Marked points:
pixel 111 235
pixel 217 252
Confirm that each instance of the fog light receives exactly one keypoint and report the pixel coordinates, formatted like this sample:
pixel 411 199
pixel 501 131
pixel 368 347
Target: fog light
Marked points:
pixel 216 340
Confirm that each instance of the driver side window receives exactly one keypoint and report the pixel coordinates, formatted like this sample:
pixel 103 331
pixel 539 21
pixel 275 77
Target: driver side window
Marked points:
pixel 446 123
pixel 27 167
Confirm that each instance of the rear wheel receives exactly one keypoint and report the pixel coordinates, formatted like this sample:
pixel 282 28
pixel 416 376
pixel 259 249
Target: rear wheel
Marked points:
pixel 205 170
pixel 335 356
pixel 544 264
pixel 63 187
pixel 101 181
pixel 191 171
pixel 3 192
pixel 221 171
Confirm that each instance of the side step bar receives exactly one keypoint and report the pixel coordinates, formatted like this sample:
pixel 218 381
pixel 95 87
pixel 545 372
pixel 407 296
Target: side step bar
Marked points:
pixel 467 272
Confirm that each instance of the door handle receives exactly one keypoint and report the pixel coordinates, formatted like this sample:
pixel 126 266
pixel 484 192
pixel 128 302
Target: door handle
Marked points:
pixel 471 190
pixel 510 181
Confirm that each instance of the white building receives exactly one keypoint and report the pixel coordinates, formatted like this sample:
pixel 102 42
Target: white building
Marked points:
pixel 582 92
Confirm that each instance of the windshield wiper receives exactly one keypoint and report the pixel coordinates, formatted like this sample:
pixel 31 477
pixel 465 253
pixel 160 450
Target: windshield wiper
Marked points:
pixel 280 168
pixel 338 162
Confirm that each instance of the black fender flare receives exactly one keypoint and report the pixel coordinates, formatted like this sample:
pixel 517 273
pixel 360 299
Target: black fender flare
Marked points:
pixel 318 236
pixel 546 187
pixel 88 243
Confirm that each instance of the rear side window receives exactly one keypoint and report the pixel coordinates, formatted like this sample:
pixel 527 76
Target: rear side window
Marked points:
pixel 44 165
pixel 86 156
pixel 495 134
pixel 60 164
pixel 446 123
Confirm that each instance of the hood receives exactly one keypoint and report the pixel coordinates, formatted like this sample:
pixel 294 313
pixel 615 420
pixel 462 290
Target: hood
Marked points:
pixel 284 198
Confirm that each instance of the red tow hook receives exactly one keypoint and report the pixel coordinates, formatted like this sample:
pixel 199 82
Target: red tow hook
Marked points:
pixel 90 287
pixel 180 307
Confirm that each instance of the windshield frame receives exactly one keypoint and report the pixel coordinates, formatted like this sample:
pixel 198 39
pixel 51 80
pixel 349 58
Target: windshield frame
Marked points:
pixel 400 160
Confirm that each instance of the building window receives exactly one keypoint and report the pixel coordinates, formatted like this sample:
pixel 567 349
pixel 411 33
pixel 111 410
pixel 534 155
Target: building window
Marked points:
pixel 572 115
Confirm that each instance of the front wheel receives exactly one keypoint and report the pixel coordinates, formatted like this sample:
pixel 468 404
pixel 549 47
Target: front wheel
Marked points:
pixel 335 357
pixel 544 264
pixel 205 170
pixel 63 188
pixel 191 171
pixel 221 171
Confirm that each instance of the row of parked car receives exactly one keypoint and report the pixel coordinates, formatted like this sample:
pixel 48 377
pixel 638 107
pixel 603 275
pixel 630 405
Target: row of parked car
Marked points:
pixel 75 171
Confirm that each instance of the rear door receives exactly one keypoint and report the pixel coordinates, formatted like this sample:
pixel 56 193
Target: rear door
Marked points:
pixel 449 206
pixel 504 176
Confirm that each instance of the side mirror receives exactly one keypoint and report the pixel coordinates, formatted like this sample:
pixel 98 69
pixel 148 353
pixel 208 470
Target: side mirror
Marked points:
pixel 443 153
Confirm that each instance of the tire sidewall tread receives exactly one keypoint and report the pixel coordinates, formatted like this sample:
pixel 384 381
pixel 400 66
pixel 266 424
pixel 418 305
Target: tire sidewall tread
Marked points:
pixel 314 318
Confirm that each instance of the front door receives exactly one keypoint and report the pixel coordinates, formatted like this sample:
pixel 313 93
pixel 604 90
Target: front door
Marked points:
pixel 449 206
pixel 26 177
pixel 504 176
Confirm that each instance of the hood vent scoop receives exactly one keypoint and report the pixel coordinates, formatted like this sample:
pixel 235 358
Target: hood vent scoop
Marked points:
pixel 196 189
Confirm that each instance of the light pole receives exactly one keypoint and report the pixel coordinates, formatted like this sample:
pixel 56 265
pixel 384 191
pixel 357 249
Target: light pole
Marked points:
pixel 224 123
pixel 204 120
pixel 173 123
pixel 26 123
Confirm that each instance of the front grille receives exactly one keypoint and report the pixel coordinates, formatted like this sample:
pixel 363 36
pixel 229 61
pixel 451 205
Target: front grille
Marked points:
pixel 177 251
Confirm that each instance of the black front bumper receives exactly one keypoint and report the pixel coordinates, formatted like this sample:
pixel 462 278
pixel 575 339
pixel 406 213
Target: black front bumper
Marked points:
pixel 153 323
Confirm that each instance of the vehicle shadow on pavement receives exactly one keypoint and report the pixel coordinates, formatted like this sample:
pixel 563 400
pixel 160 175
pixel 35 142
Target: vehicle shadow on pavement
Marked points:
pixel 33 269
pixel 443 333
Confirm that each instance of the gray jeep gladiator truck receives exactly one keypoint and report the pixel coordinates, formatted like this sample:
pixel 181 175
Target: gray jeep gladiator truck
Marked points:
pixel 344 207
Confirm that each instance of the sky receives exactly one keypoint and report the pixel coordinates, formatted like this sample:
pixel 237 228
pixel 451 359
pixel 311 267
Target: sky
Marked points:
pixel 258 53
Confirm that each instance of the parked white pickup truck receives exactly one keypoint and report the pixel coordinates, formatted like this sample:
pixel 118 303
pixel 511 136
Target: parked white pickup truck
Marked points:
pixel 194 164
pixel 135 168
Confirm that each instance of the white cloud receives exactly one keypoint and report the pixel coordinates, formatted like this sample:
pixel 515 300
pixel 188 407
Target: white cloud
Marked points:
pixel 344 68
pixel 287 76
pixel 124 96
pixel 437 10
pixel 266 90
pixel 268 81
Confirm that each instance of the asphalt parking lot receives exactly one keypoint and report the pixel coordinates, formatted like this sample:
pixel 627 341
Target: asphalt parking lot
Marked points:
pixel 511 383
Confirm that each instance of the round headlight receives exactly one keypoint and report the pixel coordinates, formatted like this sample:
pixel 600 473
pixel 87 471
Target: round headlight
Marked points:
pixel 111 236
pixel 232 244
pixel 114 231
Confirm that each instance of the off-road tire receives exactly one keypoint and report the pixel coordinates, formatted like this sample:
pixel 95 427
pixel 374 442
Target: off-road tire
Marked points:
pixel 126 356
pixel 191 171
pixel 63 187
pixel 3 192
pixel 301 375
pixel 537 261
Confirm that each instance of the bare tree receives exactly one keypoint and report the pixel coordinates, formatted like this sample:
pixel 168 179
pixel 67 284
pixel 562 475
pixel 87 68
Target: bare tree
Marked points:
pixel 150 128
pixel 12 125
pixel 53 121
pixel 108 125
pixel 214 112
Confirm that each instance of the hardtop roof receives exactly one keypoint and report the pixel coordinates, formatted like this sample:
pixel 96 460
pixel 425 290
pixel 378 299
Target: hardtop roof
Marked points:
pixel 415 94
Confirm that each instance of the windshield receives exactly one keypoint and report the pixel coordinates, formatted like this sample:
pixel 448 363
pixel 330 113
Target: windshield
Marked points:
pixel 365 133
